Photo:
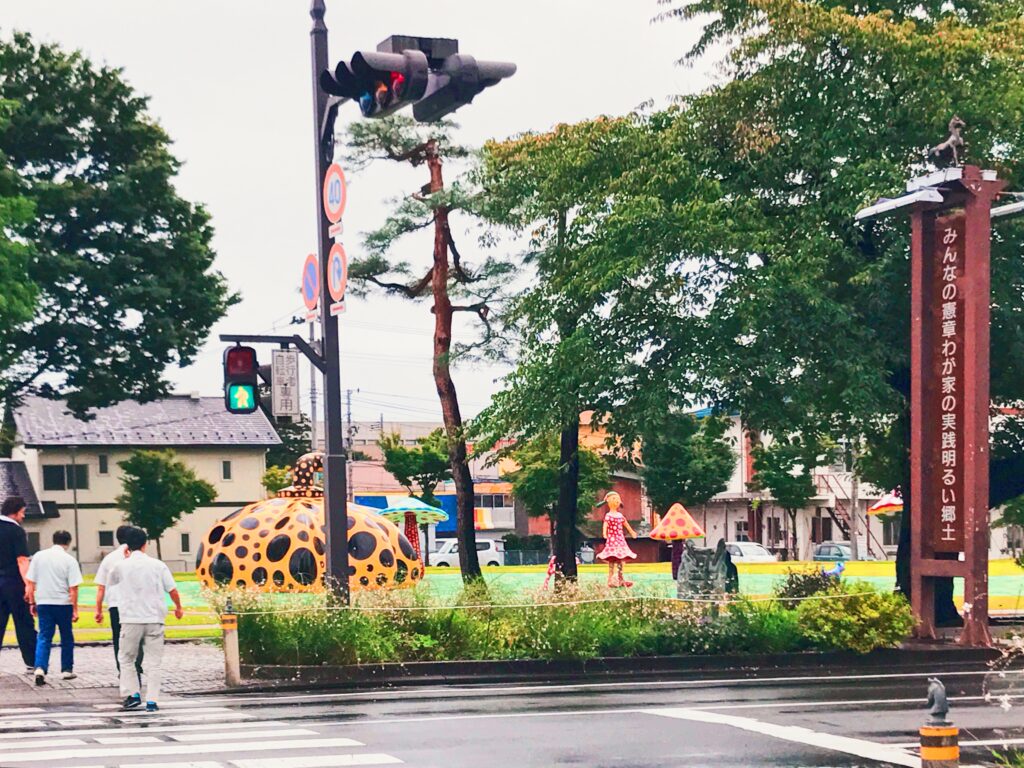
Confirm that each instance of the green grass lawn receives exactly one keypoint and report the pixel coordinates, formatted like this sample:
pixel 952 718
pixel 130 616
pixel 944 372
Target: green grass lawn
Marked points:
pixel 1006 586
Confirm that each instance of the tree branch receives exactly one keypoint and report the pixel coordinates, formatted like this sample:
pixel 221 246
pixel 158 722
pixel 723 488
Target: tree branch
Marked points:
pixel 413 291
pixel 460 274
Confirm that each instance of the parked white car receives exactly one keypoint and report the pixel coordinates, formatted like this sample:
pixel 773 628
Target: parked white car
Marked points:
pixel 749 552
pixel 490 552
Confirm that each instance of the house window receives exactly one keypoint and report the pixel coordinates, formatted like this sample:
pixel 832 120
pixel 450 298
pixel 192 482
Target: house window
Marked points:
pixel 891 532
pixel 104 462
pixel 821 529
pixel 64 477
pixel 54 477
pixel 186 544
pixel 225 470
pixel 33 541
pixel 742 530
pixel 106 538
pixel 774 530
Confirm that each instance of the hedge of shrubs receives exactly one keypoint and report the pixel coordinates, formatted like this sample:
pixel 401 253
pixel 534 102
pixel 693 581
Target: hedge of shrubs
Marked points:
pixel 574 623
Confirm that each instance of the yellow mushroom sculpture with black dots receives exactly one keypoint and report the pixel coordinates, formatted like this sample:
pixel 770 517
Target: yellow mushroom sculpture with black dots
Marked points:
pixel 278 545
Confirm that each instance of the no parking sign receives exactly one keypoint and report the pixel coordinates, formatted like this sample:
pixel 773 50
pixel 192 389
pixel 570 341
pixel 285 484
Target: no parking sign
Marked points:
pixel 311 283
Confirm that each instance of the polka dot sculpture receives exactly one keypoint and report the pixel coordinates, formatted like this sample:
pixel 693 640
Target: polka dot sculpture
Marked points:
pixel 278 545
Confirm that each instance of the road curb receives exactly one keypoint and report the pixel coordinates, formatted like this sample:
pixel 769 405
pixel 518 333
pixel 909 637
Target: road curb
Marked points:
pixel 265 677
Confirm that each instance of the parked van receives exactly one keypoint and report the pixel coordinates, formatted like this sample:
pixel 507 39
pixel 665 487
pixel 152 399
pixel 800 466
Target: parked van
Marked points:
pixel 490 552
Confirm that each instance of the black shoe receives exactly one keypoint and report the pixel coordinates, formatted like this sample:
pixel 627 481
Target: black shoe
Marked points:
pixel 131 702
pixel 40 676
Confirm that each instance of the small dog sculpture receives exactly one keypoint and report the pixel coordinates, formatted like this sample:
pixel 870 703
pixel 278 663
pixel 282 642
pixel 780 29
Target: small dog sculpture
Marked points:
pixel 951 147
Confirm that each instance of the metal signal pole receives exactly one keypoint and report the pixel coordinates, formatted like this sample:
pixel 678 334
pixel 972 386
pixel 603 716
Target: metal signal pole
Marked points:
pixel 335 492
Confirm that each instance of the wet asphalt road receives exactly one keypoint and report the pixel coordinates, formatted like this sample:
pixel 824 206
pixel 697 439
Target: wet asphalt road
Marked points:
pixel 839 719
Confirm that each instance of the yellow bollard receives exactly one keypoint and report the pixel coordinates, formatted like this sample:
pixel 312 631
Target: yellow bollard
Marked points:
pixel 232 667
pixel 940 746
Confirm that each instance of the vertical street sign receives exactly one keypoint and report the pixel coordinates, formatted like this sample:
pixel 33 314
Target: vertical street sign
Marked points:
pixel 311 285
pixel 950 290
pixel 944 367
pixel 285 383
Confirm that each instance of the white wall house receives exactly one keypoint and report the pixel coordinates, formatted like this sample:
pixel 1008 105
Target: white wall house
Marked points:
pixel 729 515
pixel 72 467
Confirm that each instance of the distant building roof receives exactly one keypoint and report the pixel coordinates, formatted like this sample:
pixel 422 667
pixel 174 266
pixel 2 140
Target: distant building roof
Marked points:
pixel 178 420
pixel 15 481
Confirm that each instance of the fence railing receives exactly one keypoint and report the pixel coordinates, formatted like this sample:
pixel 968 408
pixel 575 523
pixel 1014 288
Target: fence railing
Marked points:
pixel 526 556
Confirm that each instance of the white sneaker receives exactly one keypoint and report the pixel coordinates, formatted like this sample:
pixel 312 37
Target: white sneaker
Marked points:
pixel 40 676
pixel 68 675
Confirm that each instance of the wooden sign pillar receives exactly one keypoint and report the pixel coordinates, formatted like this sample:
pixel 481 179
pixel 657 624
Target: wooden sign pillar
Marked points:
pixel 949 444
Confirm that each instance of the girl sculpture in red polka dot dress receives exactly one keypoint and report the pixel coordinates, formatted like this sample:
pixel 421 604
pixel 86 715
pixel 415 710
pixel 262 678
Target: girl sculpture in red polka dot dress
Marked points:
pixel 616 551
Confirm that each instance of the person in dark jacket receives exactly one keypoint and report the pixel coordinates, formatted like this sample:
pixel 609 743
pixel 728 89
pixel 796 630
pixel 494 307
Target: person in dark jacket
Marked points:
pixel 14 563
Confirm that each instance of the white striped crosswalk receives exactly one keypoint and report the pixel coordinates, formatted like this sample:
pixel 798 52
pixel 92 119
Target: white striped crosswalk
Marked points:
pixel 179 736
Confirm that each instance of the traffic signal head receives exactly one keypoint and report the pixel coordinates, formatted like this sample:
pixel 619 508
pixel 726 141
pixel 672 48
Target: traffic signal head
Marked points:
pixel 241 369
pixel 428 73
pixel 380 82
pixel 457 83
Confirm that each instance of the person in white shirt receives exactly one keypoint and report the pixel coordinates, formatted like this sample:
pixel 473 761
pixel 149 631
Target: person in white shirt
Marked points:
pixel 104 591
pixel 142 582
pixel 51 587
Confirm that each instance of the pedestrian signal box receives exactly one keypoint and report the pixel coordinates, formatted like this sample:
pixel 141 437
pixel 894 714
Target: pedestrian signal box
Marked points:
pixel 241 369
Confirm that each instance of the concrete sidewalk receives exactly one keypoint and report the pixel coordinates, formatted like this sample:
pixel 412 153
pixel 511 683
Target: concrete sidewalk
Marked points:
pixel 187 666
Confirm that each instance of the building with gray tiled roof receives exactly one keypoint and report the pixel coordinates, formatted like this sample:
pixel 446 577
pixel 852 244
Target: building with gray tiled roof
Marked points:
pixel 70 466
pixel 178 420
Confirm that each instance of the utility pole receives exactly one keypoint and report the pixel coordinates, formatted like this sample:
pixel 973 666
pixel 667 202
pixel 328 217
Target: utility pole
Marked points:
pixel 335 492
pixel 313 373
pixel 854 504
pixel 350 431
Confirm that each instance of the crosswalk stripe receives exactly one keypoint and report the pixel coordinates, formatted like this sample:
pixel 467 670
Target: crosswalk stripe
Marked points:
pixel 57 714
pixel 127 740
pixel 260 735
pixel 20 710
pixel 178 749
pixel 320 761
pixel 49 743
pixel 6 739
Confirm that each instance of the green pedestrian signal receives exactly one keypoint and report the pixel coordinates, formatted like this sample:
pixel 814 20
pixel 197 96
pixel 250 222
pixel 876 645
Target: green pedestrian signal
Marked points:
pixel 241 398
pixel 240 380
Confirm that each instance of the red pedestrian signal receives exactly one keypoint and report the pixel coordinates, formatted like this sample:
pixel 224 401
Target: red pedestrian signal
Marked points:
pixel 241 371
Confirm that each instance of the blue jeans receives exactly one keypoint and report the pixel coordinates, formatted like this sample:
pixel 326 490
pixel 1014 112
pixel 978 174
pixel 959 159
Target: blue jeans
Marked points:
pixel 53 617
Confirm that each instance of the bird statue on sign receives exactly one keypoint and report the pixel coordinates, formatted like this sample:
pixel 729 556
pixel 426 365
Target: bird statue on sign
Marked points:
pixel 949 150
pixel 938 706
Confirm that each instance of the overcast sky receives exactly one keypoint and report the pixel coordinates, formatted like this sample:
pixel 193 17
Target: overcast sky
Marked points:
pixel 229 80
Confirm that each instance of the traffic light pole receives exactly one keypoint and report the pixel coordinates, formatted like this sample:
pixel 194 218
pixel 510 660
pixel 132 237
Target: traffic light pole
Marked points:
pixel 335 493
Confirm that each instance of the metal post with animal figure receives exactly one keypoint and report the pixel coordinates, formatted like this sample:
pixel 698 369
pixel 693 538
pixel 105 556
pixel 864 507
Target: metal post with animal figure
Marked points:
pixel 940 739
pixel 950 292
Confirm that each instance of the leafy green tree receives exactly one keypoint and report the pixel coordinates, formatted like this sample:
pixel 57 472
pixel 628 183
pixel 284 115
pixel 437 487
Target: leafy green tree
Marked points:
pixel 784 468
pixel 158 489
pixel 295 441
pixel 276 478
pixel 111 279
pixel 686 459
pixel 418 469
pixel 536 480
pixel 20 293
pixel 726 250
pixel 550 190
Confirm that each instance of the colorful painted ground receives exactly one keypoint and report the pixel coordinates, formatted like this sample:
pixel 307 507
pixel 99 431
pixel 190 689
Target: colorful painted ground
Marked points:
pixel 1006 582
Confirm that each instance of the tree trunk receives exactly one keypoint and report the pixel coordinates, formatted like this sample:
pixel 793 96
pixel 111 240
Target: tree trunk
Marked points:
pixel 159 554
pixel 792 533
pixel 568 498
pixel 469 562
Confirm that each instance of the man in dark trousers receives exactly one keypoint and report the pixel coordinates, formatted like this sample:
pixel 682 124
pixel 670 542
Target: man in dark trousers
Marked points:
pixel 109 563
pixel 13 567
